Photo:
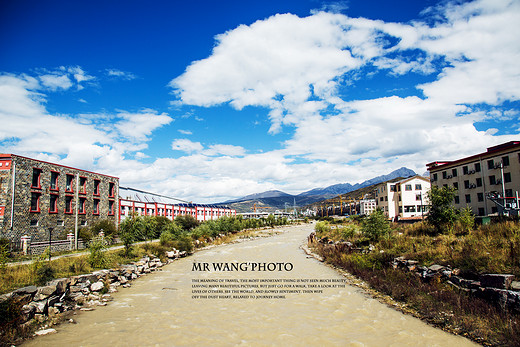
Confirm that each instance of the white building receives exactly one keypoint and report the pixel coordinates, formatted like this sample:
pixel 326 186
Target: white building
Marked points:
pixel 367 206
pixel 405 199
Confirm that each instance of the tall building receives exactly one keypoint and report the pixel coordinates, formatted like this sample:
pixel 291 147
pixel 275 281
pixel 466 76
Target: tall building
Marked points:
pixel 494 173
pixel 405 199
pixel 42 200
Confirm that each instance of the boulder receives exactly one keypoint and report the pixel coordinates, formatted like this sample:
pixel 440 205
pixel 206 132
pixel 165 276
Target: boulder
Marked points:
pixel 45 332
pixel 39 306
pixel 44 292
pixel 496 281
pixel 61 285
pixel 26 290
pixel 97 286
pixel 436 268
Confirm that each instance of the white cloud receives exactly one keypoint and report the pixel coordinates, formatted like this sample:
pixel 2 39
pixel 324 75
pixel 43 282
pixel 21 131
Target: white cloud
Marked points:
pixel 185 145
pixel 185 132
pixel 55 82
pixel 138 126
pixel 228 150
pixel 120 74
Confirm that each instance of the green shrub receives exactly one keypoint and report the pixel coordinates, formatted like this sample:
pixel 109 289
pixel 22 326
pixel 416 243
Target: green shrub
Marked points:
pixel 97 257
pixel 376 226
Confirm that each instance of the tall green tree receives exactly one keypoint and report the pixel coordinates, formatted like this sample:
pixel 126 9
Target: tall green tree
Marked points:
pixel 442 214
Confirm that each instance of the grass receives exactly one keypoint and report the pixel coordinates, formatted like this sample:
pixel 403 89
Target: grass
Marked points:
pixel 486 249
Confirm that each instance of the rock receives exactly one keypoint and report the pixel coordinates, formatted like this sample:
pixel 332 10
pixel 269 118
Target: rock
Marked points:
pixel 515 285
pixel 40 318
pixel 45 332
pixel 39 306
pixel 61 285
pixel 31 290
pixel 27 313
pixel 75 289
pixel 97 286
pixel 51 301
pixel 436 268
pixel 86 309
pixel 171 254
pixel 496 281
pixel 44 292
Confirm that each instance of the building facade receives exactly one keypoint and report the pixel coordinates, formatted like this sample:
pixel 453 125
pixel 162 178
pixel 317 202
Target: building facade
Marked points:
pixel 367 206
pixel 405 199
pixel 149 204
pixel 495 172
pixel 47 201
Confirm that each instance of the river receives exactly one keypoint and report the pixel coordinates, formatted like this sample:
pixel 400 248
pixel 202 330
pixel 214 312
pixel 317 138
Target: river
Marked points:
pixel 160 309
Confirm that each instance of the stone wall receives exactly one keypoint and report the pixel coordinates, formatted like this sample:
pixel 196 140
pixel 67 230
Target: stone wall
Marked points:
pixel 36 223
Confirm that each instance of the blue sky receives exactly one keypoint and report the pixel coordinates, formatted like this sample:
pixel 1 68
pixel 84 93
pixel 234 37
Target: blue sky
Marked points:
pixel 207 100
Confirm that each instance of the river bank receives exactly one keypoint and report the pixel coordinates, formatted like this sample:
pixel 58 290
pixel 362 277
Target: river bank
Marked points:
pixel 427 277
pixel 161 308
pixel 39 309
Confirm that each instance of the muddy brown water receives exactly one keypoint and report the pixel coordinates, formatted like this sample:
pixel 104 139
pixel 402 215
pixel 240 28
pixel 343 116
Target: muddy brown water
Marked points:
pixel 159 309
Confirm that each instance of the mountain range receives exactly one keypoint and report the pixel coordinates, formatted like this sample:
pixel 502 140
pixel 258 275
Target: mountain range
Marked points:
pixel 275 199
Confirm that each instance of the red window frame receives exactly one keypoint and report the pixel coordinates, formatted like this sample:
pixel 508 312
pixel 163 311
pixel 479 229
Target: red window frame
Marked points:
pixel 110 208
pixel 82 185
pixel 56 175
pixel 38 196
pixel 71 190
pixel 95 206
pixel 39 186
pixel 97 184
pixel 53 209
pixel 68 204
pixel 111 189
pixel 82 205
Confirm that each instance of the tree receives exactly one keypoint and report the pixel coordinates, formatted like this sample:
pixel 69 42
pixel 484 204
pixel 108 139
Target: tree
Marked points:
pixel 376 225
pixel 441 214
pixel 187 222
pixel 130 230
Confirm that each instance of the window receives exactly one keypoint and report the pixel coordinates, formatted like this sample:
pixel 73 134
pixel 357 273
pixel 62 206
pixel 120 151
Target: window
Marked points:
pixel 408 187
pixel 83 223
pixel 492 179
pixel 68 204
pixel 54 180
pixel 479 182
pixel 505 161
pixel 392 188
pixel 465 170
pixel 507 177
pixel 69 183
pixel 96 187
pixel 466 184
pixel 468 198
pixel 111 208
pixel 410 208
pixel 444 175
pixel 37 173
pixel 509 193
pixel 454 172
pixel 35 202
pixel 418 187
pixel 477 167
pixel 480 197
pixel 34 222
pixel 53 203
pixel 435 177
pixel 81 206
pixel 456 185
pixel 60 223
pixel 83 185
pixel 111 189
pixel 491 164
pixel 456 199
pixel 95 206
pixel 418 197
pixel 481 211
